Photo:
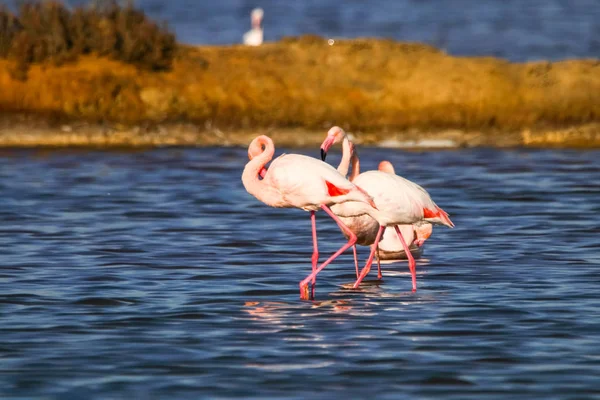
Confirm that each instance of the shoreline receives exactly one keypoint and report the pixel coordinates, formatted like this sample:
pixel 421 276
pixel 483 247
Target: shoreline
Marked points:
pixel 185 135
pixel 386 93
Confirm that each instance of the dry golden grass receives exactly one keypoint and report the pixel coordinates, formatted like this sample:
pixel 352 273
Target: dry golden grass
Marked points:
pixel 364 85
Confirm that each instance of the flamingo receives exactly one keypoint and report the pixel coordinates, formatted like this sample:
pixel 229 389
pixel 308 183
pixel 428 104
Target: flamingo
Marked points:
pixel 390 247
pixel 363 226
pixel 398 201
pixel 254 37
pixel 295 180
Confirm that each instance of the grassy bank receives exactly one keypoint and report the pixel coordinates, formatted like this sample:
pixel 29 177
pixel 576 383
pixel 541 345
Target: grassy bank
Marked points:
pixel 379 89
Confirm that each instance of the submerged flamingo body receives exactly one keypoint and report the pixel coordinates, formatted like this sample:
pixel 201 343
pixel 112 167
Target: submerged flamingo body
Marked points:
pixel 390 248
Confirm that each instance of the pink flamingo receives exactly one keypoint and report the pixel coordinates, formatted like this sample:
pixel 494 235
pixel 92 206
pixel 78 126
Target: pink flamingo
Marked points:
pixel 398 202
pixel 295 180
pixel 254 37
pixel 363 226
pixel 390 248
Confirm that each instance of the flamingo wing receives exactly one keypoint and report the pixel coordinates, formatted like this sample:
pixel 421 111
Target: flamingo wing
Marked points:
pixel 305 180
pixel 402 198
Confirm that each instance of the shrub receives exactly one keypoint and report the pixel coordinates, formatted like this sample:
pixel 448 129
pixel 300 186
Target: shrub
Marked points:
pixel 9 27
pixel 48 31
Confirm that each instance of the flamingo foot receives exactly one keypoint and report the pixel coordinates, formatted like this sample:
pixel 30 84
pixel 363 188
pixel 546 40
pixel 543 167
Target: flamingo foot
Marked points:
pixel 364 273
pixel 305 292
pixel 413 269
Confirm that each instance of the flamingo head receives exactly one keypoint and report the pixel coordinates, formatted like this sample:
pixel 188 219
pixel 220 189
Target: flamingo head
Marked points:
pixel 256 17
pixel 335 135
pixel 257 146
pixel 386 166
pixel 422 233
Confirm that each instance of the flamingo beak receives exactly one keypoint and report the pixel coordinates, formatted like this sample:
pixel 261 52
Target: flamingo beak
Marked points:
pixel 327 143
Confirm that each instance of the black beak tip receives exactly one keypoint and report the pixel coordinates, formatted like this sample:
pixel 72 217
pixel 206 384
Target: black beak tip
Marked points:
pixel 323 155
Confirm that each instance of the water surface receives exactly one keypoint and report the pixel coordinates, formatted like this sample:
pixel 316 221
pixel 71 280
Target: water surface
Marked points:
pixel 519 30
pixel 153 274
pixel 515 29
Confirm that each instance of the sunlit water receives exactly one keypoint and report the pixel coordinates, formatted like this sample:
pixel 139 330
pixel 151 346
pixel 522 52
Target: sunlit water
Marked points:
pixel 155 275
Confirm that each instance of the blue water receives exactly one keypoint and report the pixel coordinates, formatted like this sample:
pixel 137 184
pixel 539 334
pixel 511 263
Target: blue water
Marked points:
pixel 519 30
pixel 154 275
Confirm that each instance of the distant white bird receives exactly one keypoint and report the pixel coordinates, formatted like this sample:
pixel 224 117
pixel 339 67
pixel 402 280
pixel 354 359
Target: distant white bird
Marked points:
pixel 254 37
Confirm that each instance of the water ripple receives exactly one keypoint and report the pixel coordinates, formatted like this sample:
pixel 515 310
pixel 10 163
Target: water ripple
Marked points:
pixel 154 274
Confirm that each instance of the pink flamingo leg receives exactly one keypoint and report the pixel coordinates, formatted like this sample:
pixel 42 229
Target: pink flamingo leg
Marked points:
pixel 379 275
pixel 315 256
pixel 355 260
pixel 304 293
pixel 411 260
pixel 367 266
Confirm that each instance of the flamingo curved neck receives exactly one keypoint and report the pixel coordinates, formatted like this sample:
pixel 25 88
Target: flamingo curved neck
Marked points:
pixel 345 161
pixel 250 177
pixel 346 155
pixel 355 171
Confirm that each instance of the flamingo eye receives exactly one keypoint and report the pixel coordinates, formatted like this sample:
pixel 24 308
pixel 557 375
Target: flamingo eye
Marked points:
pixel 263 147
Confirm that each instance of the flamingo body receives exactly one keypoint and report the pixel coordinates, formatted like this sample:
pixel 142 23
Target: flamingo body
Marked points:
pixel 364 227
pixel 306 183
pixel 389 242
pixel 399 200
pixel 254 37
